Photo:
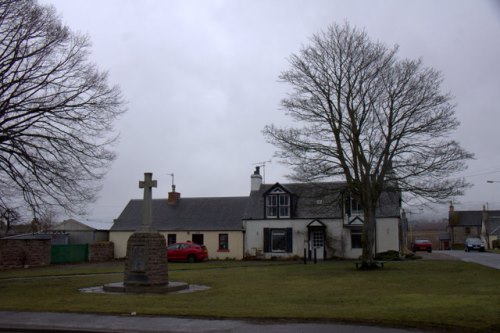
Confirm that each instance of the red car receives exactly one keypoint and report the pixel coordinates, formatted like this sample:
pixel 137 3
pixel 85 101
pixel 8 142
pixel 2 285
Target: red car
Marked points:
pixel 422 245
pixel 187 251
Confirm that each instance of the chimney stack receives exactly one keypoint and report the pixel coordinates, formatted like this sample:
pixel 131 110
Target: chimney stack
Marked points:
pixel 255 179
pixel 173 197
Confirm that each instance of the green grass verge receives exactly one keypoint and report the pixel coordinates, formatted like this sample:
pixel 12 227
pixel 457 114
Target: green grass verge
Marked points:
pixel 450 295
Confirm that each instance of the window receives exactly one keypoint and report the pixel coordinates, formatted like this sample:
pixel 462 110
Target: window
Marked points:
pixel 318 239
pixel 272 206
pixel 353 206
pixel 284 201
pixel 278 204
pixel 173 247
pixel 223 242
pixel 356 207
pixel 171 239
pixel 197 239
pixel 278 240
pixel 356 239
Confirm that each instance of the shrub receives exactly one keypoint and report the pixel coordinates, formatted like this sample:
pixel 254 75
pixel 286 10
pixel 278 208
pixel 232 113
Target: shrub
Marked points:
pixel 388 256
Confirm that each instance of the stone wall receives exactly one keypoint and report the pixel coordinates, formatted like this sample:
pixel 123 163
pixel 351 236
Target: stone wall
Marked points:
pixel 18 253
pixel 101 251
pixel 146 263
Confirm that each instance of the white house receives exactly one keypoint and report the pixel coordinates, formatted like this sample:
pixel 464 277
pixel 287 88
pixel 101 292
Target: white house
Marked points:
pixel 283 220
pixel 279 220
pixel 214 222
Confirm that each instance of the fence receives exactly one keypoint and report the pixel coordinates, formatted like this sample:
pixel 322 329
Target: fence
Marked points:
pixel 69 253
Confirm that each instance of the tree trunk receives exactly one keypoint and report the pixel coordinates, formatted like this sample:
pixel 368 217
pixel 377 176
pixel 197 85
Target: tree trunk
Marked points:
pixel 369 238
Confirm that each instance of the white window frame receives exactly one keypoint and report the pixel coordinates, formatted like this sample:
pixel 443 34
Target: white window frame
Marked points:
pixel 356 208
pixel 278 204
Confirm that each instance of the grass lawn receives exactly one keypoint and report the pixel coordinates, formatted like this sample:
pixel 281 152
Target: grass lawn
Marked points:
pixel 450 295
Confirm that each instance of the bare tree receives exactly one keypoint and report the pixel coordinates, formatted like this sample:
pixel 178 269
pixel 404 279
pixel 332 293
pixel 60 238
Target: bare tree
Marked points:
pixel 376 121
pixel 8 217
pixel 56 111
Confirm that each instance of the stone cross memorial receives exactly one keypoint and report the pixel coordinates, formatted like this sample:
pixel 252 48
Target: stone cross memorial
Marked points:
pixel 146 265
pixel 147 185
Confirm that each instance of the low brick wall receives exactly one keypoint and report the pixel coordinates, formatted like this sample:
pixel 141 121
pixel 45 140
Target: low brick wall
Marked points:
pixel 17 253
pixel 101 251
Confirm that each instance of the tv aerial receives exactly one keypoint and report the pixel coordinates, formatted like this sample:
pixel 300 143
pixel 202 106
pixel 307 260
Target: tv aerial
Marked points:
pixel 263 166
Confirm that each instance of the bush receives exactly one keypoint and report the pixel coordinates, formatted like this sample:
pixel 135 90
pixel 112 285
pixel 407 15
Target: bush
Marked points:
pixel 388 256
pixel 412 256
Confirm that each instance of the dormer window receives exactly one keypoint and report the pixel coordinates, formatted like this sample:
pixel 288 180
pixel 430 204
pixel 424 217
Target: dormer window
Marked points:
pixel 277 204
pixel 353 206
pixel 356 208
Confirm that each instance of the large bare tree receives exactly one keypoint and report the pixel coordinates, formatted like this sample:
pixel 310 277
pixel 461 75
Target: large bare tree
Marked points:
pixel 56 112
pixel 379 122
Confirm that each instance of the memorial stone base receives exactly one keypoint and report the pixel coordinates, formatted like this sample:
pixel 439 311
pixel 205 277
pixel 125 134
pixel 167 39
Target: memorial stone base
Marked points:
pixel 146 266
pixel 146 263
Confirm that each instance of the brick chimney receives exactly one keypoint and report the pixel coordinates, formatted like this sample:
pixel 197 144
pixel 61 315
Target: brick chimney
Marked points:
pixel 255 180
pixel 173 197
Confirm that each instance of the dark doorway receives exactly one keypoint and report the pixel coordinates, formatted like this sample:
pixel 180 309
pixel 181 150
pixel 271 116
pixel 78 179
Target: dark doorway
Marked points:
pixel 197 239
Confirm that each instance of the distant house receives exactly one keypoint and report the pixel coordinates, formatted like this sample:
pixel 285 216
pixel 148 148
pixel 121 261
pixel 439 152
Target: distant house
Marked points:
pixel 484 224
pixel 490 229
pixel 84 232
pixel 464 224
pixel 214 222
pixel 288 220
pixel 279 220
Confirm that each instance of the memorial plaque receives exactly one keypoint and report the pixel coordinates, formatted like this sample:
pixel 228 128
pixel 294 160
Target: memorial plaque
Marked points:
pixel 137 259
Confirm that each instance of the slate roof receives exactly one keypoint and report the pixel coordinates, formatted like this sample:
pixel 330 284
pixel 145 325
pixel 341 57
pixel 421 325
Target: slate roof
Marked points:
pixel 317 200
pixel 493 222
pixel 470 218
pixel 494 227
pixel 190 214
pixel 473 218
pixel 36 236
pixel 88 224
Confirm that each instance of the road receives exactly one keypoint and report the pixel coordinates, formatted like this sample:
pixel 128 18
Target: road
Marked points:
pixel 33 322
pixel 482 258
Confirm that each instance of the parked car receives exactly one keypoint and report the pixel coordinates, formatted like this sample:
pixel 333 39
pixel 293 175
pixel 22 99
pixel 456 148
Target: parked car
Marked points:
pixel 474 244
pixel 422 245
pixel 187 251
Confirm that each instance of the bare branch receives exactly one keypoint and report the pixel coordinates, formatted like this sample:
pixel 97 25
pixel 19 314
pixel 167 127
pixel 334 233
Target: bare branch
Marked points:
pixel 56 111
pixel 379 122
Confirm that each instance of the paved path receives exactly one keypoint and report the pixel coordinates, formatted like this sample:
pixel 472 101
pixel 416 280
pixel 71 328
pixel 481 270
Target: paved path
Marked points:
pixel 11 321
pixel 482 258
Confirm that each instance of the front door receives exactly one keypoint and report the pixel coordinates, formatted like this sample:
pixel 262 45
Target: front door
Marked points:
pixel 318 243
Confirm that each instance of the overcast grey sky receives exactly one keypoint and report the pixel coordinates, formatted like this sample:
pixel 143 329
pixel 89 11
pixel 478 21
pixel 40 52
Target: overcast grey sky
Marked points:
pixel 201 81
